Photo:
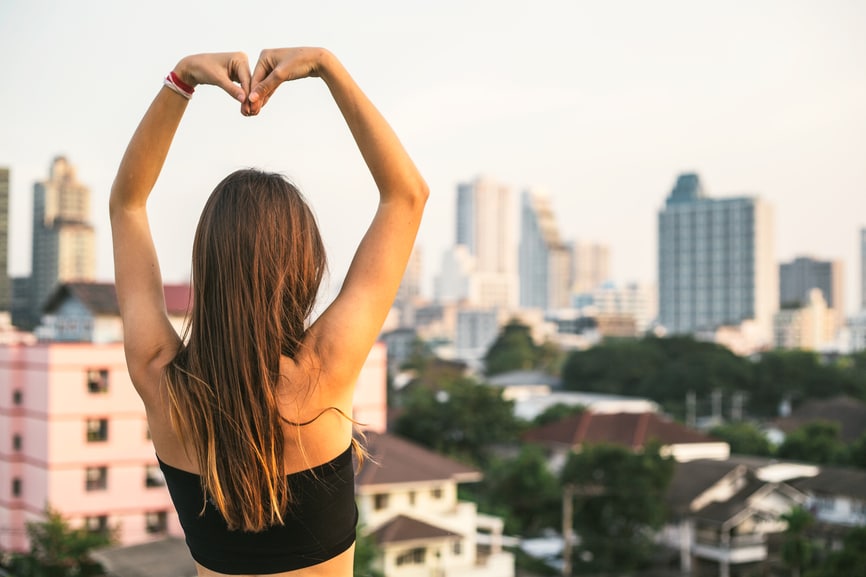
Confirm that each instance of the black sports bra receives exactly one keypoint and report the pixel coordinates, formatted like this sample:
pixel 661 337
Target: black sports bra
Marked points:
pixel 319 525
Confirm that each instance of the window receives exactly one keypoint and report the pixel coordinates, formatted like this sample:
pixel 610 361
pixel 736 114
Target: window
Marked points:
pixel 436 493
pixel 97 380
pixel 97 430
pixel 380 501
pixel 412 557
pixel 156 522
pixel 17 397
pixel 153 476
pixel 411 497
pixel 16 442
pixel 457 548
pixel 16 487
pixel 96 478
pixel 96 524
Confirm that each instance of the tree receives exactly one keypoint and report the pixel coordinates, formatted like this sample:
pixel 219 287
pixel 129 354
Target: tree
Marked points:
pixel 463 419
pixel 524 491
pixel 58 550
pixel 850 561
pixel 366 555
pixel 556 412
pixel 744 438
pixel 816 442
pixel 620 503
pixel 512 350
pixel 796 548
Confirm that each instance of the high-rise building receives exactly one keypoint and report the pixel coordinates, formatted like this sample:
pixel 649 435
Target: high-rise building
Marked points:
pixel 409 292
pixel 863 269
pixel 798 277
pixel 63 238
pixel 484 226
pixel 716 261
pixel 544 261
pixel 5 282
pixel 591 266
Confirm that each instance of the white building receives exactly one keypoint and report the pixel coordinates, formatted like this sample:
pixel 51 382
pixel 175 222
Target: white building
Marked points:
pixel 591 266
pixel 485 227
pixel 407 500
pixel 716 261
pixel 544 260
pixel 812 326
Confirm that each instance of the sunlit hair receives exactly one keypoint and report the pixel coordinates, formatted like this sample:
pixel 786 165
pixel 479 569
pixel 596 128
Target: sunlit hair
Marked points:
pixel 258 261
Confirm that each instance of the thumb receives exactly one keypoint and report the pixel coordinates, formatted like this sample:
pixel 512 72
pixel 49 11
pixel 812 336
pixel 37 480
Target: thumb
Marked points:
pixel 263 90
pixel 235 91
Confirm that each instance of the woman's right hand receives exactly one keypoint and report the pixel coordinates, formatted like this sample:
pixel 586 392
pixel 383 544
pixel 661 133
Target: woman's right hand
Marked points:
pixel 279 65
pixel 228 70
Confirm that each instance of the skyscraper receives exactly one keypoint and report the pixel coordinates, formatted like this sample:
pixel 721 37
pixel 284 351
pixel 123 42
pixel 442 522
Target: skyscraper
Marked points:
pixel 544 261
pixel 798 277
pixel 716 263
pixel 63 238
pixel 484 227
pixel 863 269
pixel 5 283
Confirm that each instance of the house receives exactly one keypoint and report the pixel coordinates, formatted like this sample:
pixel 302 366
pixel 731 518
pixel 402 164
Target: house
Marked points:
pixel 848 412
pixel 836 497
pixel 724 517
pixel 88 312
pixel 633 430
pixel 407 500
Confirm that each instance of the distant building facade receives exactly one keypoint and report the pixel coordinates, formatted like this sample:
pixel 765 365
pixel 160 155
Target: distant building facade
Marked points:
pixel 811 326
pixel 591 266
pixel 484 227
pixel 5 281
pixel 544 261
pixel 716 261
pixel 863 269
pixel 798 277
pixel 63 237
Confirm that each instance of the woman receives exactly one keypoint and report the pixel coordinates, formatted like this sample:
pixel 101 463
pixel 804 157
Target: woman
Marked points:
pixel 249 412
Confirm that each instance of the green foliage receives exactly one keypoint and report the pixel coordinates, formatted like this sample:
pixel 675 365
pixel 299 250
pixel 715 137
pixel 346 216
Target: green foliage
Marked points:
pixel 619 503
pixel 58 550
pixel 514 350
pixel 367 555
pixel 557 412
pixel 524 491
pixel 850 561
pixel 797 550
pixel 816 442
pixel 463 419
pixel 857 452
pixel 667 369
pixel 744 439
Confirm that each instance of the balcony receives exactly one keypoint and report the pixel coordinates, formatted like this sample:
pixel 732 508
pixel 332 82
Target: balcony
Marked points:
pixel 735 550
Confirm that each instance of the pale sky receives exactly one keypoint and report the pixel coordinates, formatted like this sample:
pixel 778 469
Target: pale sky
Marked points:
pixel 600 103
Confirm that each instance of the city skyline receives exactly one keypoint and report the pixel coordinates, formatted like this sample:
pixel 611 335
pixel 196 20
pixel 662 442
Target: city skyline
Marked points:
pixel 601 105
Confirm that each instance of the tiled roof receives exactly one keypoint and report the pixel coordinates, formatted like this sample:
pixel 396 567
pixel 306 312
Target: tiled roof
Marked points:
pixel 394 460
pixel 849 412
pixel 402 528
pixel 840 481
pixel 722 511
pixel 692 478
pixel 522 378
pixel 632 430
pixel 101 298
pixel 164 558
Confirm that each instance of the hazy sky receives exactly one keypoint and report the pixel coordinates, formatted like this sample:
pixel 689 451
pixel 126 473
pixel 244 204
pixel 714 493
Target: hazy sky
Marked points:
pixel 600 103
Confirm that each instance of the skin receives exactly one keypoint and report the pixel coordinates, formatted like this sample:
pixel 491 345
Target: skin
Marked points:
pixel 329 361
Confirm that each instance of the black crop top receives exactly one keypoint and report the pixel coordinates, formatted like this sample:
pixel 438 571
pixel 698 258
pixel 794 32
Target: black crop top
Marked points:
pixel 319 525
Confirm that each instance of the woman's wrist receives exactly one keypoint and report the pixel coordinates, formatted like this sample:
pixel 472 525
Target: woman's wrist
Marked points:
pixel 184 73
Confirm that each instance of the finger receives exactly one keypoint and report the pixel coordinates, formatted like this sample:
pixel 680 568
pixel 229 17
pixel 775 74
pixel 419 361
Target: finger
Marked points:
pixel 241 73
pixel 231 88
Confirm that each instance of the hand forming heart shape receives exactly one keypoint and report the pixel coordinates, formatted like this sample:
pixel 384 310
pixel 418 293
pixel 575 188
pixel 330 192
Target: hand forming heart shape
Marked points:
pixel 231 72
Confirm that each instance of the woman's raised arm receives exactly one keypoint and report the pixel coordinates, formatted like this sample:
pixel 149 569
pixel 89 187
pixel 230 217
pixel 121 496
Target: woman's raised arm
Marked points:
pixel 149 340
pixel 342 336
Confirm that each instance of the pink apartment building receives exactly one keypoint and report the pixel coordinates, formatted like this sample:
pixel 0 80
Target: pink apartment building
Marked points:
pixel 73 433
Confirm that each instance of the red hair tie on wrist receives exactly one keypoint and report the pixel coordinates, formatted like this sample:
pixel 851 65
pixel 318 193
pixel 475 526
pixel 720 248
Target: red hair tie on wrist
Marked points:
pixel 174 82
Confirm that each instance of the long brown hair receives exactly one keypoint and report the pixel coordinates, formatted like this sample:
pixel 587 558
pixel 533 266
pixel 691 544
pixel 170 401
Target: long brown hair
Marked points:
pixel 258 261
